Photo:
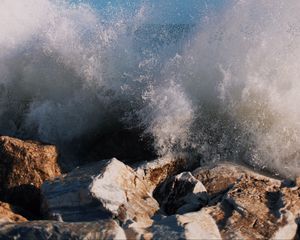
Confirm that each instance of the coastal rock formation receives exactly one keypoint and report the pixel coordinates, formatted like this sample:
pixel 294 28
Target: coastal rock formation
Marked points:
pixel 181 193
pixel 7 214
pixel 44 230
pixel 254 206
pixel 154 200
pixel 157 171
pixel 196 225
pixel 103 189
pixel 24 166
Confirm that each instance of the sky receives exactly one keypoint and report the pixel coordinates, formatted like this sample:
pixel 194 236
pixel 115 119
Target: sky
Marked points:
pixel 163 11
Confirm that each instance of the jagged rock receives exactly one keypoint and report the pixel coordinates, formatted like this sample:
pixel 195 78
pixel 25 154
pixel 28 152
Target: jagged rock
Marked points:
pixel 7 214
pixel 24 166
pixel 257 207
pixel 104 189
pixel 181 194
pixel 196 225
pixel 219 177
pixel 44 230
pixel 157 171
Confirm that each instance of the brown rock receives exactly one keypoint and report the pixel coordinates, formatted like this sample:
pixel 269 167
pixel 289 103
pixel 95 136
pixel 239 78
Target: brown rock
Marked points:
pixel 157 171
pixel 220 177
pixel 257 207
pixel 24 166
pixel 7 214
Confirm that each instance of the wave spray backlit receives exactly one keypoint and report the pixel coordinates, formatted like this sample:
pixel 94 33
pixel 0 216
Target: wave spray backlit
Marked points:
pixel 225 87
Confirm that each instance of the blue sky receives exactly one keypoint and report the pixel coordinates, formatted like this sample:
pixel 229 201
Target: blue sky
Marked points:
pixel 163 11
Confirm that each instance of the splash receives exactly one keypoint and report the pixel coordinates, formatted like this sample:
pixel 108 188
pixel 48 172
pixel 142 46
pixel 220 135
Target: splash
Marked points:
pixel 225 87
pixel 243 69
pixel 68 74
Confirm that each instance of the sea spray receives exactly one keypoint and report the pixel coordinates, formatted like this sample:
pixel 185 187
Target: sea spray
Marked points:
pixel 243 69
pixel 224 87
pixel 68 74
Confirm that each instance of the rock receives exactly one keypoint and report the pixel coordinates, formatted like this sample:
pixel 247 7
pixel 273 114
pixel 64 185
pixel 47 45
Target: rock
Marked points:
pixel 100 190
pixel 298 181
pixel 199 225
pixel 7 214
pixel 25 165
pixel 196 225
pixel 257 207
pixel 157 171
pixel 220 177
pixel 288 230
pixel 181 194
pixel 44 230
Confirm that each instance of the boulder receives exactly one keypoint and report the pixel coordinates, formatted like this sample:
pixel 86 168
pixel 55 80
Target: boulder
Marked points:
pixel 257 207
pixel 107 188
pixel 157 171
pixel 196 225
pixel 218 178
pixel 181 194
pixel 8 214
pixel 24 166
pixel 44 230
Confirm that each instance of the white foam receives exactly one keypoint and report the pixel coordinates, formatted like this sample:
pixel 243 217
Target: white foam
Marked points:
pixel 232 94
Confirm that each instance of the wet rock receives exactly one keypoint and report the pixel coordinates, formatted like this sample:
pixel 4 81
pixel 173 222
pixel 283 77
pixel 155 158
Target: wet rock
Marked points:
pixel 24 166
pixel 257 207
pixel 100 190
pixel 44 230
pixel 181 194
pixel 196 225
pixel 8 214
pixel 157 171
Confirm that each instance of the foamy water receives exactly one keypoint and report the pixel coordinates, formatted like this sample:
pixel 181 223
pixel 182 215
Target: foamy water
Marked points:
pixel 228 88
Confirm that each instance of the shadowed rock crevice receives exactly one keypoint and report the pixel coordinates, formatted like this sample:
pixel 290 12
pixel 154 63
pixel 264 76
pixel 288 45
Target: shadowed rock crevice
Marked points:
pixel 275 202
pixel 227 209
pixel 22 195
pixel 181 194
pixel 297 237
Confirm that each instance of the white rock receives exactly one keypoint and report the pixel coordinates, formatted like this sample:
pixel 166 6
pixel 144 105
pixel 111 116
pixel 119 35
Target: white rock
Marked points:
pixel 104 189
pixel 196 225
pixel 289 230
pixel 199 225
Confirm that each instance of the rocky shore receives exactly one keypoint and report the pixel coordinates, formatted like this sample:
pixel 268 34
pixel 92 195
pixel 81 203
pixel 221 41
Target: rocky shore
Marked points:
pixel 168 198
